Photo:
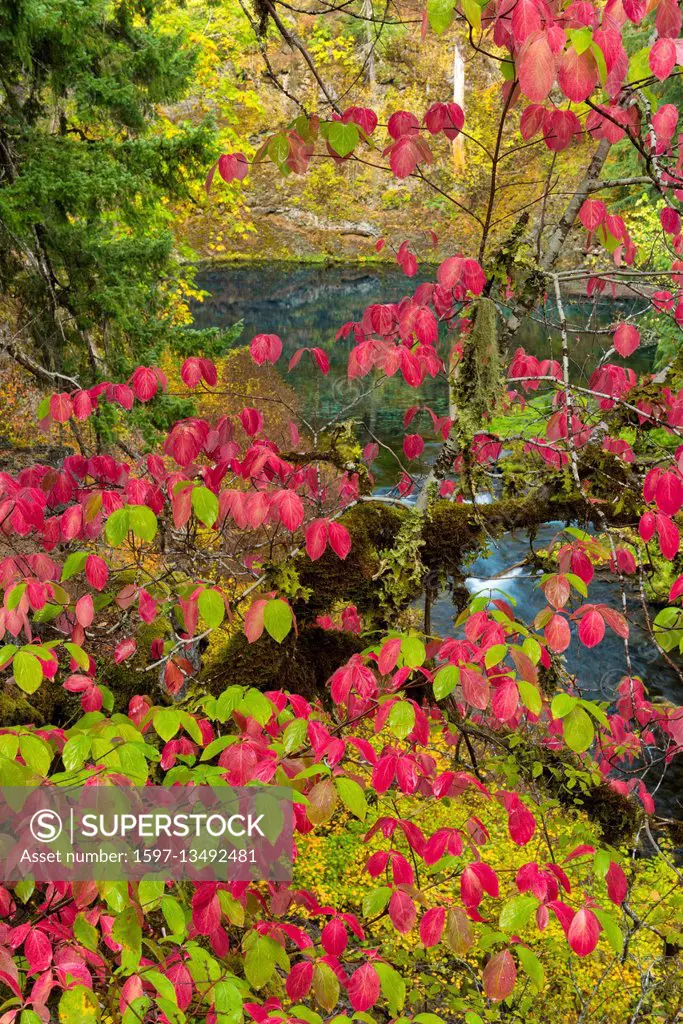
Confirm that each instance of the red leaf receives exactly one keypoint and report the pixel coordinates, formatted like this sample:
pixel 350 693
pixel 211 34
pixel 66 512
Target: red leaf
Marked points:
pixel 669 537
pixel 592 214
pixel 536 68
pixel 206 910
pixel 626 339
pixel 334 937
pixel 316 538
pixel 557 634
pixel 85 610
pixel 322 360
pixel 505 699
pixel 363 988
pixel 662 59
pixel 475 688
pixel 583 932
pixel 124 649
pixel 299 980
pixel 402 911
pixel 431 926
pixel 251 420
pixel 61 407
pixel 591 628
pixel 265 348
pixel 291 510
pixel 499 976
pixel 38 950
pixel 669 493
pixel 577 74
pixel 617 886
pixel 340 540
pixel 96 571
pixel 413 445
pixel 253 620
pixel 144 383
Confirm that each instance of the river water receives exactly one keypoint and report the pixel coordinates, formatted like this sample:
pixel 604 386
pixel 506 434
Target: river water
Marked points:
pixel 305 305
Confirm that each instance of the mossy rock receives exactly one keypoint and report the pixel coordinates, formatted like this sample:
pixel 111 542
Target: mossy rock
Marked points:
pixel 301 664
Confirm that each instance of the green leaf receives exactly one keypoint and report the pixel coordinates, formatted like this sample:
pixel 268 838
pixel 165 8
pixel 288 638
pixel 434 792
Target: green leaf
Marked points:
pixel 413 651
pixel 166 723
pixel 117 527
pixel 259 962
pixel 163 985
pixel 277 619
pixel 445 681
pixel 612 931
pixel 376 900
pixel 352 796
pixel 211 608
pixel 578 730
pixel 494 655
pixel 581 39
pixel 532 649
pixel 78 655
pixel 294 735
pixel 530 696
pixel 440 14
pixel 227 1003
pixel 28 672
pixel 142 522
pixel 85 933
pixel 531 965
pixel 127 932
pixel 79 1004
pixel 174 915
pixel 472 11
pixel 76 752
pixel 205 505
pixel 517 913
pixel 36 753
pixel 150 891
pixel 401 719
pixel 343 138
pixel 73 564
pixel 7 653
pixel 562 704
pixel 393 987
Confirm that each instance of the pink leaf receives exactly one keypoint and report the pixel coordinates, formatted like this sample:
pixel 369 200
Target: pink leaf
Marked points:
pixel 96 571
pixel 340 540
pixel 38 950
pixel 316 538
pixel 662 59
pixel 536 68
pixel 626 339
pixel 577 74
pixel 499 976
pixel 583 932
pixel 363 988
pixel 617 886
pixel 265 348
pixel 591 628
pixel 431 926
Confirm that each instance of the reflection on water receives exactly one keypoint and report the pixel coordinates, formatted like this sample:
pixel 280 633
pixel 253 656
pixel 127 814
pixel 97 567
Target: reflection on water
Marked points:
pixel 305 305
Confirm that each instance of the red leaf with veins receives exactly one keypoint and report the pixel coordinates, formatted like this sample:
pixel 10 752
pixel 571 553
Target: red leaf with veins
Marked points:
pixel 340 540
pixel 363 988
pixel 669 536
pixel 617 886
pixel 591 628
pixel 662 59
pixel 536 68
pixel 499 976
pixel 626 339
pixel 558 634
pixel 402 911
pixel 291 510
pixel 316 538
pixel 431 926
pixel 577 74
pixel 299 980
pixel 38 950
pixel 592 214
pixel 265 348
pixel 475 688
pixel 583 932
pixel 669 493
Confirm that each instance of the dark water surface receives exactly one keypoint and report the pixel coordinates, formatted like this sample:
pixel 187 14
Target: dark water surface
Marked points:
pixel 305 305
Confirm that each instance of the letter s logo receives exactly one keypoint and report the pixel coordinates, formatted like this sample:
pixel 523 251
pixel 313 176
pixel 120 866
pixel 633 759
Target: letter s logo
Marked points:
pixel 45 826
